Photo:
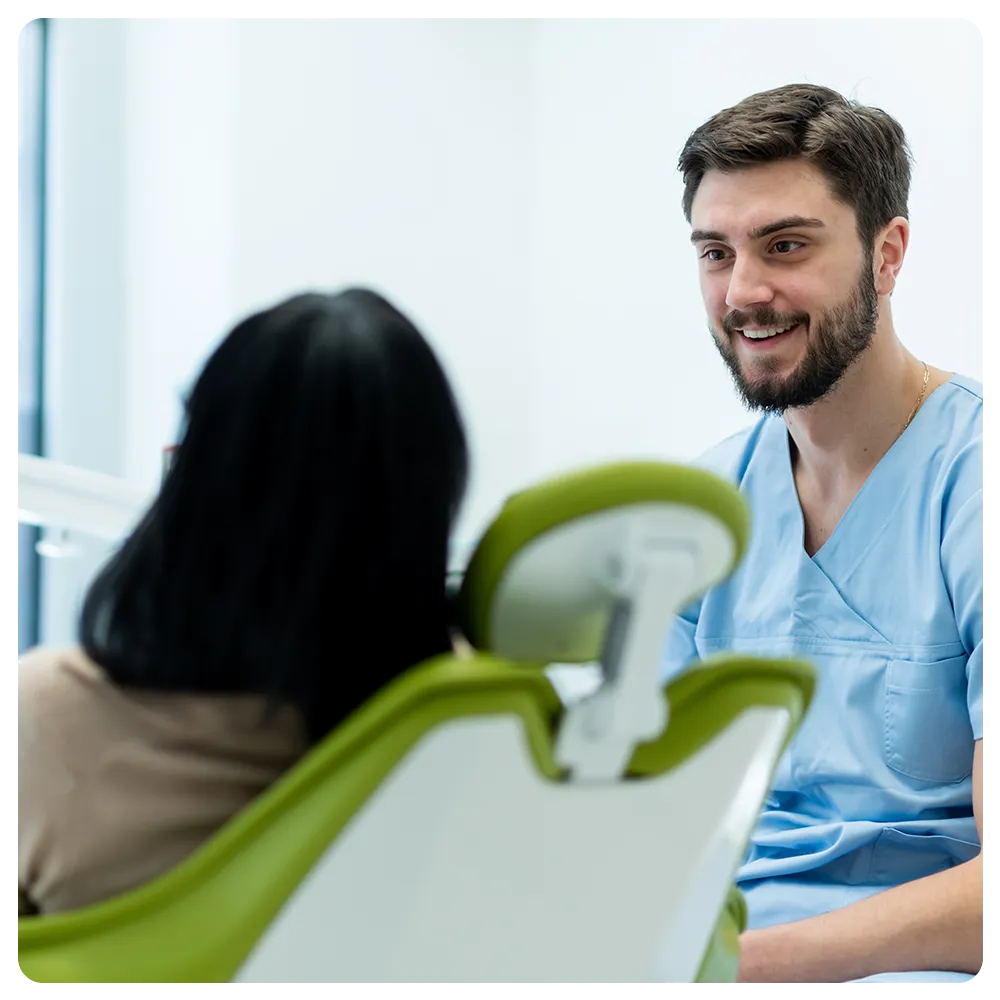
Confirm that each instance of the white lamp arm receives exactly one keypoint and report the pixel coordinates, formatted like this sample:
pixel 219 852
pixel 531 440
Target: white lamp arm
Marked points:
pixel 55 495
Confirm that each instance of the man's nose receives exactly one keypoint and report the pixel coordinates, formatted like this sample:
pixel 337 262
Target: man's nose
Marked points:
pixel 748 285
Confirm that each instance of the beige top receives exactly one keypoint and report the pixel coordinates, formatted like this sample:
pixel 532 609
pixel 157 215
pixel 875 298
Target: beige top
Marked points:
pixel 116 786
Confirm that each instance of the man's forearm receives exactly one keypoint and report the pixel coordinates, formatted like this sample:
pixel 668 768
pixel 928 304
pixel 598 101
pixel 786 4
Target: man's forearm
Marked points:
pixel 931 923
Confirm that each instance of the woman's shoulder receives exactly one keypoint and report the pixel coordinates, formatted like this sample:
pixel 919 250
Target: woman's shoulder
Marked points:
pixel 60 697
pixel 153 772
pixel 62 690
pixel 56 675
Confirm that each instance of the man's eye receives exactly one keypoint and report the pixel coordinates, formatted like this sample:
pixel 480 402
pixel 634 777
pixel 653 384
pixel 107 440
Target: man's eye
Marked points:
pixel 789 245
pixel 707 255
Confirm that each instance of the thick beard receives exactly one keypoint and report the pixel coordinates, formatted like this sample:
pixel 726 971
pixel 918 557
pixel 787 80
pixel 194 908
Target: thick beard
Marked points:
pixel 838 341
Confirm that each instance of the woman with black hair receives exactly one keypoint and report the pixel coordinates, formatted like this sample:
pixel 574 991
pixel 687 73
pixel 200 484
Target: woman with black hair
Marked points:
pixel 292 564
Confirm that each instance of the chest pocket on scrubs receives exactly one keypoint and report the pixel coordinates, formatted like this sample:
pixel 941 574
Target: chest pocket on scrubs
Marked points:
pixel 927 731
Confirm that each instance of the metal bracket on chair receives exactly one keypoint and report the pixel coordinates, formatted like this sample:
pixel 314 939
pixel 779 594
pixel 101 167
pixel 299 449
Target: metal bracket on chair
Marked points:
pixel 600 733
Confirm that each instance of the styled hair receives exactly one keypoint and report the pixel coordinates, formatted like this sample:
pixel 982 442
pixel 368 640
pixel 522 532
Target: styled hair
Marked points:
pixel 861 151
pixel 298 546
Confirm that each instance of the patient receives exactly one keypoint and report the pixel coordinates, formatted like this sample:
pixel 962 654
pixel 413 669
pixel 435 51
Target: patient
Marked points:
pixel 292 564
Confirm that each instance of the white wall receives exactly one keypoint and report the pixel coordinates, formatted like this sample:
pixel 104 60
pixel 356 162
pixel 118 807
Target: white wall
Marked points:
pixel 510 184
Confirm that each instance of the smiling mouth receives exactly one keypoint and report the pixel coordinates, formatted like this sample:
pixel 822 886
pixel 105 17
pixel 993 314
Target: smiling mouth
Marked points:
pixel 766 333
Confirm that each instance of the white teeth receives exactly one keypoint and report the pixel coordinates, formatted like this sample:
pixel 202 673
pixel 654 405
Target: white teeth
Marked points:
pixel 764 334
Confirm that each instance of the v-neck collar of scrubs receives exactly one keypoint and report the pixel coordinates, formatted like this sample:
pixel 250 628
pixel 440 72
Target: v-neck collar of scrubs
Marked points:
pixel 881 491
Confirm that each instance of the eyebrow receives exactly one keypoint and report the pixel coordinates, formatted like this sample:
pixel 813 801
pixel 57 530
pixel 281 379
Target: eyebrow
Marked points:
pixel 791 222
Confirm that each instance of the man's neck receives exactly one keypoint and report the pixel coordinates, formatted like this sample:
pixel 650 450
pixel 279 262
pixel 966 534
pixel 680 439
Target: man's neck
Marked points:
pixel 839 439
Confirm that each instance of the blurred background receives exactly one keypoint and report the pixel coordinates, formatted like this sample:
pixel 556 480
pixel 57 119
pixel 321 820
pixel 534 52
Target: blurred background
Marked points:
pixel 511 185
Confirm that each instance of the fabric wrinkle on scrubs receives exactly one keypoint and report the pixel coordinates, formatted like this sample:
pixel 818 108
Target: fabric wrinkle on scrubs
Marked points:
pixel 875 789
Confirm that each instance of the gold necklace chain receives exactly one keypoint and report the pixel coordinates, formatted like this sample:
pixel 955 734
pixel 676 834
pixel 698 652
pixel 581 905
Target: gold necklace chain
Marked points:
pixel 923 389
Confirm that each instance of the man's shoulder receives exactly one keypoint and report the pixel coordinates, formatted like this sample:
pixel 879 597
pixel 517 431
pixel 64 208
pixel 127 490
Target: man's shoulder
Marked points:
pixel 955 435
pixel 968 387
pixel 962 408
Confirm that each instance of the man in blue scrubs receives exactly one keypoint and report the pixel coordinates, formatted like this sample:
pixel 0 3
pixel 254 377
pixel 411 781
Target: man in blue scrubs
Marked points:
pixel 864 479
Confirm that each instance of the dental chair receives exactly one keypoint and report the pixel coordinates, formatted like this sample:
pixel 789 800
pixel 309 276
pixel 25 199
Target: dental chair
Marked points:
pixel 466 824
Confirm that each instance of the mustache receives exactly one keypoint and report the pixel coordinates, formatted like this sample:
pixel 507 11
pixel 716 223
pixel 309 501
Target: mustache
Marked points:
pixel 737 319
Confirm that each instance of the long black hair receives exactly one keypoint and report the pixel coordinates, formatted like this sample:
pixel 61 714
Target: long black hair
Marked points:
pixel 298 545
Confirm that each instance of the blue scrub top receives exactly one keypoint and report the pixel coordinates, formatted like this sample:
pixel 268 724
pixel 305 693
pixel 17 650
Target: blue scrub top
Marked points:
pixel 875 788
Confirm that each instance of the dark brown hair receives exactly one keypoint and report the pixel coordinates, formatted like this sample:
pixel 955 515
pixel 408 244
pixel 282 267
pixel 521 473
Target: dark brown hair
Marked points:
pixel 861 151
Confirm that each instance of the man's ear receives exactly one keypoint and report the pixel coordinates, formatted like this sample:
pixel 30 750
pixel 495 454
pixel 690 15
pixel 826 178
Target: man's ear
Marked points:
pixel 889 251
